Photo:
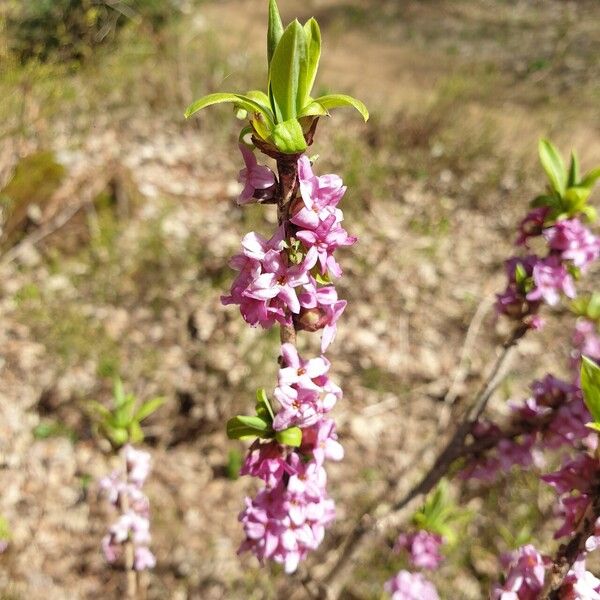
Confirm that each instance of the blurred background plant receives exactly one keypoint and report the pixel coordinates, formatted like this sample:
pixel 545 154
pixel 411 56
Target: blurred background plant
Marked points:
pixel 118 208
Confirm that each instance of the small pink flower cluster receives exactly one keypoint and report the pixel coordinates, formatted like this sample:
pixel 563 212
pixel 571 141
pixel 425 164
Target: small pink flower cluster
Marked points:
pixel 534 279
pixel 410 586
pixel 575 482
pixel 552 417
pixel 526 572
pixel 585 342
pixel 289 515
pixel 124 492
pixel 277 278
pixel 286 280
pixel 423 548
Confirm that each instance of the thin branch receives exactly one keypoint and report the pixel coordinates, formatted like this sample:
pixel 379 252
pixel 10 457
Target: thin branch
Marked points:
pixel 383 513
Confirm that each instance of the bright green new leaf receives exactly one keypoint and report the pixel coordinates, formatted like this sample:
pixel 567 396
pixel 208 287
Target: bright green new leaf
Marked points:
pixel 243 426
pixel 288 137
pixel 573 179
pixel 590 178
pixel 99 410
pixel 308 73
pixel 313 109
pixel 339 100
pixel 264 406
pixel 289 437
pixel 594 426
pixel 136 435
pixel 148 408
pixel 224 97
pixel 118 392
pixel 260 98
pixel 288 60
pixel 576 198
pixel 553 165
pixel 117 435
pixel 590 384
pixel 274 30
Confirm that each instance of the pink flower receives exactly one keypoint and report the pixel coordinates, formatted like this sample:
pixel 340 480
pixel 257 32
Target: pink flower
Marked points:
pixel 573 242
pixel 320 196
pixel 326 238
pixel 525 576
pixel 551 279
pixel 138 465
pixel 300 372
pixel 143 559
pixel 265 286
pixel 253 177
pixel 532 225
pixel 321 441
pixel 283 525
pixel 580 584
pixel 423 548
pixel 320 309
pixel 299 407
pixel 410 586
pixel 586 342
pixel 267 461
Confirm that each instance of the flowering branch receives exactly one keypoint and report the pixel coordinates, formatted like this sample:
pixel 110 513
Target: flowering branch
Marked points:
pixel 332 583
pixel 569 553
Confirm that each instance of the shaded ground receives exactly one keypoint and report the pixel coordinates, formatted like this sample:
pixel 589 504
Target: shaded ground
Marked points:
pixel 460 92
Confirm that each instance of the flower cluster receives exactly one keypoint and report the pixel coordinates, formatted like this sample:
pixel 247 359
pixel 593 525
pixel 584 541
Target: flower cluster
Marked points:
pixel 124 491
pixel 410 586
pixel 286 279
pixel 423 548
pixel 585 342
pixel 533 279
pixel 278 279
pixel 526 574
pixel 554 416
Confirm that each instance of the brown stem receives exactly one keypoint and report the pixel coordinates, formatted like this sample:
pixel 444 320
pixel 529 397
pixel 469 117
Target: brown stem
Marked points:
pixel 332 585
pixel 128 549
pixel 287 168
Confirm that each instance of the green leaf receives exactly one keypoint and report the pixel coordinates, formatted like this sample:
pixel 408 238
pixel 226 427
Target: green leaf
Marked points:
pixel 594 426
pixel 244 426
pixel 573 179
pixel 99 411
pixel 590 384
pixel 136 435
pixel 274 30
pixel 148 408
pixel 264 406
pixel 590 178
pixel 234 464
pixel 224 97
pixel 292 436
pixel 118 392
pixel 313 55
pixel 553 165
pixel 339 100
pixel 313 109
pixel 288 137
pixel 284 72
pixel 117 435
pixel 576 198
pixel 260 98
pixel 124 414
